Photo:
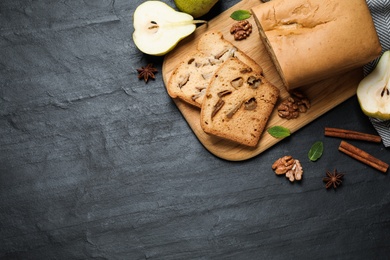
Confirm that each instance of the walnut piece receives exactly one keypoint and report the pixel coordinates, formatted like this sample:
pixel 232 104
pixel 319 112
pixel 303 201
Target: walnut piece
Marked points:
pixel 282 165
pixel 217 107
pixel 202 91
pixel 237 82
pixel 241 30
pixel 251 104
pixel 234 110
pixel 295 173
pixel 219 55
pixel 224 93
pixel 289 166
pixel 183 80
pixel 254 82
pixel 292 106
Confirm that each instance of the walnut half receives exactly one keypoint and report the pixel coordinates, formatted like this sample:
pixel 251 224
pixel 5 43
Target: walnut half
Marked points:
pixel 292 106
pixel 289 166
pixel 241 30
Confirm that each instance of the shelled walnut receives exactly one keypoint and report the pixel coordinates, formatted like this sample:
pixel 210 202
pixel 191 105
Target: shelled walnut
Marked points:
pixel 289 166
pixel 241 30
pixel 292 106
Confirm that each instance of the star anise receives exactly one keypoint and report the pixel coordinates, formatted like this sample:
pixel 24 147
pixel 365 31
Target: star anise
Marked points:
pixel 333 179
pixel 147 72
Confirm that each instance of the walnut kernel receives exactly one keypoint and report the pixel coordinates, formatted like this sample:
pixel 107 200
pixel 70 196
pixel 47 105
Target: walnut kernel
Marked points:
pixel 217 107
pixel 254 82
pixel 282 165
pixel 251 104
pixel 237 82
pixel 241 30
pixel 234 110
pixel 289 166
pixel 295 173
pixel 292 106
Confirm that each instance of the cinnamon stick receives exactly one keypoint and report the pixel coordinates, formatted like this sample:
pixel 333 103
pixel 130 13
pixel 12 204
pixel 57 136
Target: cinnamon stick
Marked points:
pixel 363 156
pixel 349 134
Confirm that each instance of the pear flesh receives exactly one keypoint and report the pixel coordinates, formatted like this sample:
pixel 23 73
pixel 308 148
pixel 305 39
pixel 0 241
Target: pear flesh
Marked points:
pixel 158 27
pixel 373 91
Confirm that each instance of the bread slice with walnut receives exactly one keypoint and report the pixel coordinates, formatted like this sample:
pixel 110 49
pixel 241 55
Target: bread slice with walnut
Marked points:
pixel 238 103
pixel 191 77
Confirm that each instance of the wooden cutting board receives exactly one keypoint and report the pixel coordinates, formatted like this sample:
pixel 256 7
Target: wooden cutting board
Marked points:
pixel 323 95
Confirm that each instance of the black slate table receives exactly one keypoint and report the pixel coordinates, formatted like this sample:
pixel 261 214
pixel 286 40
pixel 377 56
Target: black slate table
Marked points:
pixel 96 164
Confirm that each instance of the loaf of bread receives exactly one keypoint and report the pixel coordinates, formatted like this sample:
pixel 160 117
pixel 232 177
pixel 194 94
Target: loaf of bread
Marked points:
pixel 190 79
pixel 311 40
pixel 238 103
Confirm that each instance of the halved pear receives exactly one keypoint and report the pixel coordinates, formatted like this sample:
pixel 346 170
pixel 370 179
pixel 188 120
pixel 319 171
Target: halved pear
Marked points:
pixel 373 91
pixel 158 27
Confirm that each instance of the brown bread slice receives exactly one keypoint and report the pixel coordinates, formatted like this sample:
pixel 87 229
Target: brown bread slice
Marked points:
pixel 191 77
pixel 238 103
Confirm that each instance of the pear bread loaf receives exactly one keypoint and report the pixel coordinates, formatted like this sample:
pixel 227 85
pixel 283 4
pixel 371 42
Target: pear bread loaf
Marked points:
pixel 191 77
pixel 311 40
pixel 238 103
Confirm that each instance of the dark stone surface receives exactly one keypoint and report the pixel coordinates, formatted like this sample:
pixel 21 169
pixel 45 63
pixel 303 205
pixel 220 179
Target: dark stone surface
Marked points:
pixel 94 163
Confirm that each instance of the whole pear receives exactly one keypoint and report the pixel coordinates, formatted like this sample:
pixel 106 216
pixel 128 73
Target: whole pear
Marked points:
pixel 195 8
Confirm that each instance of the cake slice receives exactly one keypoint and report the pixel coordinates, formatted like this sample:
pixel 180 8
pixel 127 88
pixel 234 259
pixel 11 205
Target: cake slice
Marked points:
pixel 238 103
pixel 191 77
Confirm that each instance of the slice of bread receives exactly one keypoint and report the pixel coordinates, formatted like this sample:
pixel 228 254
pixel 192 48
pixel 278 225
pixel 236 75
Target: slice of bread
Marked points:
pixel 191 77
pixel 238 103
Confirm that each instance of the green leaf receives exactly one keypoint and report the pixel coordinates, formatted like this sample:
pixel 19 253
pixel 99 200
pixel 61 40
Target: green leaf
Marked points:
pixel 240 15
pixel 316 151
pixel 279 131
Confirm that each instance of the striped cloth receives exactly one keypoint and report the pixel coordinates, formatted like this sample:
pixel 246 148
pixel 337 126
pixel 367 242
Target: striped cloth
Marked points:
pixel 380 10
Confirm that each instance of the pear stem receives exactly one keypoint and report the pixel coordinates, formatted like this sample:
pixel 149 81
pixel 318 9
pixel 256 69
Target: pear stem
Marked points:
pixel 199 21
